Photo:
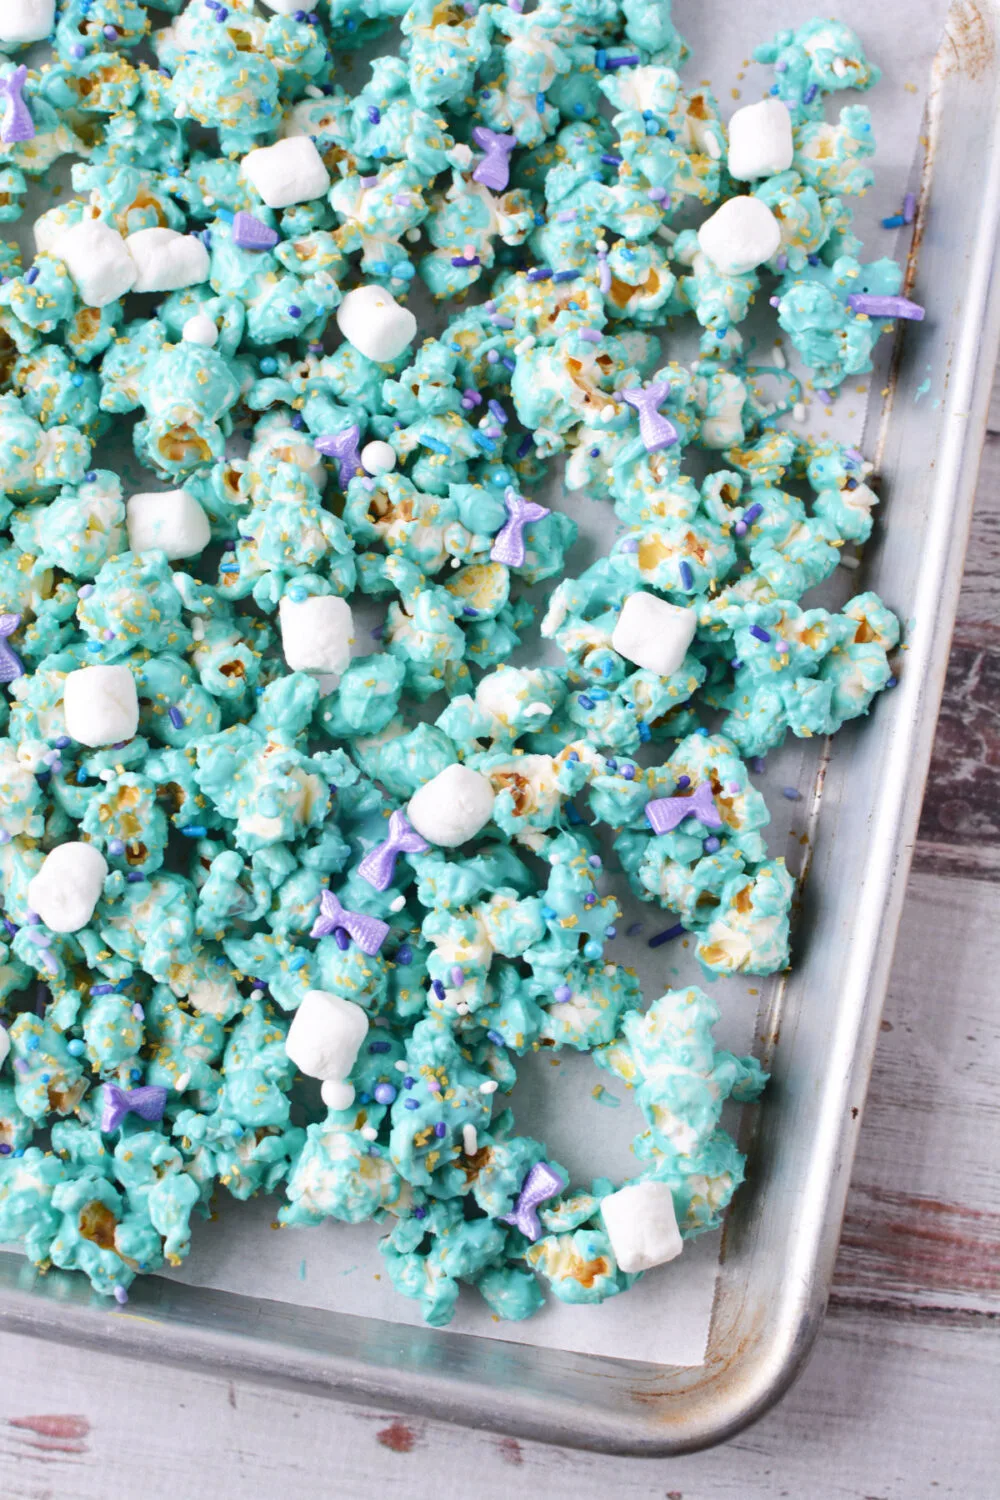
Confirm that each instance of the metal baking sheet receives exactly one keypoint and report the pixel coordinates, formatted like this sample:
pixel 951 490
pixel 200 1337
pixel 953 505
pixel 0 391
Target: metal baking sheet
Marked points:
pixel 818 1027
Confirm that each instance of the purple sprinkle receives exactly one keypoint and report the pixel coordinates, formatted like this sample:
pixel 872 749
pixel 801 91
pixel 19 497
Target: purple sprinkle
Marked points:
pixel 909 208
pixel 376 1047
pixel 810 94
pixel 540 273
pixel 31 276
pixel 458 976
pixel 885 307
pixel 610 159
pixel 419 1212
pixel 440 1130
pixel 792 793
pixel 121 1296
pixel 682 782
pixel 294 312
pixel 750 515
pixel 712 845
pixel 666 936
pixel 111 33
pixel 176 717
pixel 759 633
pixel 622 62
pixel 562 993
pixel 342 939
pixel 134 877
pixel 385 1093
pixel 634 930
pixel 774 301
pixel 5 1150
pixel 591 336
pixel 495 1038
pixel 404 956
pixel 374 115
pixel 438 988
pixel 687 577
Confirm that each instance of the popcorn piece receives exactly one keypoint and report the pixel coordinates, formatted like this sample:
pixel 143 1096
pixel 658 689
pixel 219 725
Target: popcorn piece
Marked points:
pixel 378 458
pixel 372 321
pixel 171 521
pixel 68 886
pixel 452 807
pixel 98 260
pixel 316 633
pixel 760 140
pixel 167 261
pixel 101 705
pixel 642 1225
pixel 323 1042
pixel 289 172
pixel 740 236
pixel 654 634
pixel 24 21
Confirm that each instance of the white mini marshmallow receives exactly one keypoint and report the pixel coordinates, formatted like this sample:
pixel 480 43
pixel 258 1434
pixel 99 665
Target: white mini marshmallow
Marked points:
pixel 200 330
pixel 24 21
pixel 372 320
pixel 171 521
pixel 760 140
pixel 68 886
pixel 452 807
pixel 101 705
pixel 740 236
pixel 323 1041
pixel 98 260
pixel 378 458
pixel 291 171
pixel 654 634
pixel 642 1225
pixel 316 633
pixel 167 261
pixel 283 7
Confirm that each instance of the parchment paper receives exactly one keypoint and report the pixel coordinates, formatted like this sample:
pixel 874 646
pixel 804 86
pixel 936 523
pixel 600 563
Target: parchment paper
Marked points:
pixel 665 1317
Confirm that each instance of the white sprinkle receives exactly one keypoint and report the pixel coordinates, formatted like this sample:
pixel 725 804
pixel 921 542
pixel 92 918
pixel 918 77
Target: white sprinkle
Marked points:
pixel 609 412
pixel 401 1065
pixel 537 708
pixel 778 357
pixel 610 969
pixel 712 147
pixel 456 562
pixel 847 561
pixel 198 629
pixel 256 994
pixel 181 1083
pixel 462 1008
pixel 799 411
pixel 490 1087
pixel 528 342
pixel 470 1142
pixel 312 92
pixel 602 245
pixel 181 111
pixel 666 233
pixel 413 235
pixel 839 66
pixel 369 1132
pixel 463 155
pixel 107 775
pixel 398 904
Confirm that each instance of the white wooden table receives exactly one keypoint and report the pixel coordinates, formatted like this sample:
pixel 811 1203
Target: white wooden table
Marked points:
pixel 899 1401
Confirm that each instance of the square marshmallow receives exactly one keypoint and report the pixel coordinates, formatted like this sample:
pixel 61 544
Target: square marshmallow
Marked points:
pixel 316 633
pixel 452 807
pixel 68 886
pixel 375 324
pixel 24 21
pixel 97 258
pixel 740 236
pixel 291 171
pixel 642 1225
pixel 171 521
pixel 101 705
pixel 760 140
pixel 167 261
pixel 654 634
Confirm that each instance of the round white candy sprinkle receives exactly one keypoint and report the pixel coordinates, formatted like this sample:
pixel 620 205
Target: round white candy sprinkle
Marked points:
pixel 490 1087
pixel 200 330
pixel 398 904
pixel 68 886
pixel 369 1132
pixel 378 458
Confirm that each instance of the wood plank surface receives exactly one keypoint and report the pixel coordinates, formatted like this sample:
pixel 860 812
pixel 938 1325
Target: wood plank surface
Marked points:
pixel 899 1400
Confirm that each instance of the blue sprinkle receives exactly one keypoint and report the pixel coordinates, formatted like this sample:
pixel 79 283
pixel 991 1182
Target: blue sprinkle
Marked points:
pixel 792 793
pixel 667 936
pixel 495 1038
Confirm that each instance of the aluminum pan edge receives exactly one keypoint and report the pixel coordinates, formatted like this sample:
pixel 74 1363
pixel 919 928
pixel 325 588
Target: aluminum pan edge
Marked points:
pixel 781 1236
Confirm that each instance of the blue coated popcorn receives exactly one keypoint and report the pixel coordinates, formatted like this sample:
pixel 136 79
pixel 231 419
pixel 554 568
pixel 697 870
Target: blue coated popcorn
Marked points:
pixel 518 192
